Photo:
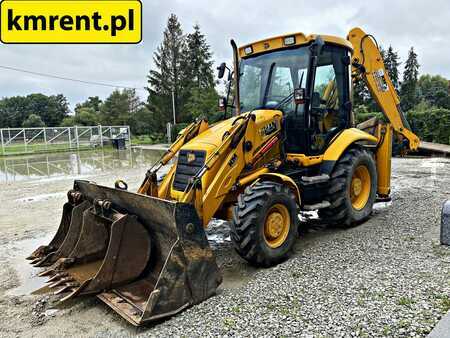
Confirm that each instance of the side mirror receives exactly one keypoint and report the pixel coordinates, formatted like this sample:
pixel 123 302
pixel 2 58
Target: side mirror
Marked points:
pixel 299 95
pixel 221 70
pixel 222 103
pixel 315 101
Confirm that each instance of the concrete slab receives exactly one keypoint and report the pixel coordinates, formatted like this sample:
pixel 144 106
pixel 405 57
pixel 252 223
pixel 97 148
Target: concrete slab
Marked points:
pixel 442 329
pixel 435 147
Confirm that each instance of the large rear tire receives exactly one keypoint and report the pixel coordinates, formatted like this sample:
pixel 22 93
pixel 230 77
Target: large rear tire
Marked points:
pixel 265 223
pixel 352 191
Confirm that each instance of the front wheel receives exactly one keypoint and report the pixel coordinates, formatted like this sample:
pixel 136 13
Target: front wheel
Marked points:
pixel 265 223
pixel 352 191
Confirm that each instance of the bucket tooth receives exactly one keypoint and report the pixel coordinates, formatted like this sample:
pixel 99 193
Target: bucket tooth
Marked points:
pixel 72 294
pixel 69 287
pixel 39 262
pixel 59 267
pixel 57 277
pixel 47 272
pixel 61 281
pixel 66 237
pixel 74 198
pixel 35 260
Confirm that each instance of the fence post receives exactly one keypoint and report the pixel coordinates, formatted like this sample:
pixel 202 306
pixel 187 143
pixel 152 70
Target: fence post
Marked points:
pixel 76 137
pixel 101 134
pixel 129 135
pixel 25 140
pixel 70 138
pixel 169 132
pixel 3 143
pixel 45 138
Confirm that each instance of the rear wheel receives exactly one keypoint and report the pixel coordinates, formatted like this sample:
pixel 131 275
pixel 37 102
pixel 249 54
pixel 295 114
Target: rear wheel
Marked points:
pixel 265 222
pixel 352 189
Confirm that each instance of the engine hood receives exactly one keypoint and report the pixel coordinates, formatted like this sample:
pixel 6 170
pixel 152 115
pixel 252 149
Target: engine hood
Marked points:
pixel 211 138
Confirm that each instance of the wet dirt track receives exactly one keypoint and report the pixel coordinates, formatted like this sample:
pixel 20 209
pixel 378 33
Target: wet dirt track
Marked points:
pixel 31 207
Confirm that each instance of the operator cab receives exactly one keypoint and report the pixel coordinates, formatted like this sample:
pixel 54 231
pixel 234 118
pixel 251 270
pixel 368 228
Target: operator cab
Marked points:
pixel 270 71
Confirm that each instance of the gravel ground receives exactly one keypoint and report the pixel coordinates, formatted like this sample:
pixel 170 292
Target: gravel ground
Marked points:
pixel 386 277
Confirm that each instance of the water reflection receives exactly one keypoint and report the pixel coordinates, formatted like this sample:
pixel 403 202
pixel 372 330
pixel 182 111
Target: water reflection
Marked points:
pixel 33 167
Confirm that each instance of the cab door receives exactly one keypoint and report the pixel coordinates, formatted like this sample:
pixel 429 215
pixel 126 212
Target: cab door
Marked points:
pixel 329 108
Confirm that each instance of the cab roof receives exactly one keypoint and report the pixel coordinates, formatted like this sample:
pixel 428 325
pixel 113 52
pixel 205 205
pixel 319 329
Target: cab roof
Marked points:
pixel 279 42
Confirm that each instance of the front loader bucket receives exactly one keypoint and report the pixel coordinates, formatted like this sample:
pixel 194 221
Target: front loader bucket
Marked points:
pixel 145 257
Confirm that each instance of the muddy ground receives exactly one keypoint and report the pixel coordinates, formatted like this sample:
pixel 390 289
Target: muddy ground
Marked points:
pixel 30 210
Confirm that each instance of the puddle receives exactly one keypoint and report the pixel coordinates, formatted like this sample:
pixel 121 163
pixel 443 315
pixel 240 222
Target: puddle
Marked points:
pixel 382 206
pixel 29 281
pixel 218 238
pixel 50 312
pixel 218 233
pixel 234 279
pixel 50 167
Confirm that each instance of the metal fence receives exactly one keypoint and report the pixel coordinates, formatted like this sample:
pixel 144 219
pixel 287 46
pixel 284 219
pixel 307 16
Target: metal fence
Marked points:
pixel 32 140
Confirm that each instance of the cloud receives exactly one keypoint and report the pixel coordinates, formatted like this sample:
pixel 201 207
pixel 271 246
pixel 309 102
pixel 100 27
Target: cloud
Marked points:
pixel 400 23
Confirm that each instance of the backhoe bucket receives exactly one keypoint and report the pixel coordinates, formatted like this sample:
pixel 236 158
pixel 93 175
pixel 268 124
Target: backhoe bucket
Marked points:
pixel 145 257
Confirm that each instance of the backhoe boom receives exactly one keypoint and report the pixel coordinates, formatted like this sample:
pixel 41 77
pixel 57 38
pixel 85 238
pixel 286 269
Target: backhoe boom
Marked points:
pixel 368 64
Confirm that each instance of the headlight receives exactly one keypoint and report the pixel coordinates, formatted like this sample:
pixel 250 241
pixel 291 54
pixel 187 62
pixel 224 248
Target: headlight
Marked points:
pixel 289 40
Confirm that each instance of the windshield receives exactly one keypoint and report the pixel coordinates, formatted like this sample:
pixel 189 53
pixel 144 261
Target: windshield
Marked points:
pixel 269 80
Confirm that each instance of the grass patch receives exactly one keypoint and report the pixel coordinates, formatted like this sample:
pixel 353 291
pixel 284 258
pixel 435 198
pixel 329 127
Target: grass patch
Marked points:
pixel 148 139
pixel 229 322
pixel 443 301
pixel 406 301
pixel 386 331
pixel 440 250
pixel 236 309
pixel 404 324
pixel 20 149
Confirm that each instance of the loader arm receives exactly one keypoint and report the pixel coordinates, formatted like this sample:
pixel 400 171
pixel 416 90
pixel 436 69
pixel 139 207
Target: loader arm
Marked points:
pixel 149 186
pixel 208 203
pixel 368 65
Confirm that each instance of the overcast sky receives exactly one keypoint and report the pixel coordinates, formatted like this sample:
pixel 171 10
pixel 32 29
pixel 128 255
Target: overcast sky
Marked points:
pixel 401 23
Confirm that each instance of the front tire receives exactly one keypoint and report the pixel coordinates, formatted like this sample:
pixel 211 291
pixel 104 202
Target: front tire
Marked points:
pixel 265 223
pixel 352 190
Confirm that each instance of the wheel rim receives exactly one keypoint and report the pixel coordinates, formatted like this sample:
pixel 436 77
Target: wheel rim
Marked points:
pixel 277 225
pixel 360 187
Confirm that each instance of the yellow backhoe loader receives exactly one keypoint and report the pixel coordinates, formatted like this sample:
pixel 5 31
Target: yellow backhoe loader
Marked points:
pixel 289 145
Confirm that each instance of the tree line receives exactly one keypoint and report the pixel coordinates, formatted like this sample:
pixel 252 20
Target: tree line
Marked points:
pixel 425 99
pixel 182 78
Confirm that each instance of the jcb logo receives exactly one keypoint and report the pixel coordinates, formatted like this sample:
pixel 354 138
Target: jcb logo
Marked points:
pixel 64 21
pixel 190 157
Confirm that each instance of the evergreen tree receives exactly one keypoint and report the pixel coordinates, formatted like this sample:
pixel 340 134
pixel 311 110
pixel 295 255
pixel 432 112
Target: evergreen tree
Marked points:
pixel 199 94
pixel 166 78
pixel 197 61
pixel 409 97
pixel 434 91
pixel 392 62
